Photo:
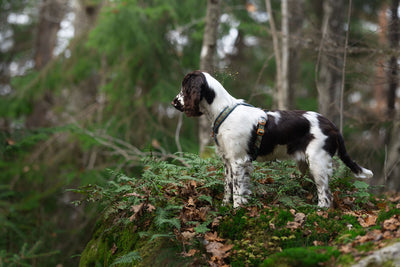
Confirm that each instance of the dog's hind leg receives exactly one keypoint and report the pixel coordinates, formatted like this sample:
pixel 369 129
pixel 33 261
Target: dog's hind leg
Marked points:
pixel 320 165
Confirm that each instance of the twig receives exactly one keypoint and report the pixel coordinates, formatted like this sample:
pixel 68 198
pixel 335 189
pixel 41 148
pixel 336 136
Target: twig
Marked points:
pixel 275 42
pixel 259 77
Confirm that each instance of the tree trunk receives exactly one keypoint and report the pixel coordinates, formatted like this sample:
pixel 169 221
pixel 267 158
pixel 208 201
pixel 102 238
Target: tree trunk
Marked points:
pixel 207 64
pixel 296 18
pixel 286 52
pixel 392 168
pixel 283 91
pixel 51 14
pixel 394 38
pixel 86 14
pixel 330 65
pixel 380 77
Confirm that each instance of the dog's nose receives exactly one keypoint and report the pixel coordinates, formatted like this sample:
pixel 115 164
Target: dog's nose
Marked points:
pixel 177 104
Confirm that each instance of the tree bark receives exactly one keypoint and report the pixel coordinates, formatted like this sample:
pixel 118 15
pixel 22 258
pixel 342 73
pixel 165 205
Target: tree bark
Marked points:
pixel 380 77
pixel 86 14
pixel 296 18
pixel 394 38
pixel 330 65
pixel 392 168
pixel 286 51
pixel 51 14
pixel 283 91
pixel 207 64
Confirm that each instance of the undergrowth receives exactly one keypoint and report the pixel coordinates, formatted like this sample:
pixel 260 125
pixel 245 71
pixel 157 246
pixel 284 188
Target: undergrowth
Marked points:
pixel 180 201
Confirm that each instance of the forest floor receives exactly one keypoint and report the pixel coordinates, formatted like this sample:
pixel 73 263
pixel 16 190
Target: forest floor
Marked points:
pixel 174 209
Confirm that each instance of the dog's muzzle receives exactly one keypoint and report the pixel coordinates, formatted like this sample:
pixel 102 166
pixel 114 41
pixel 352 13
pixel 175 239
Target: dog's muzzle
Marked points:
pixel 178 103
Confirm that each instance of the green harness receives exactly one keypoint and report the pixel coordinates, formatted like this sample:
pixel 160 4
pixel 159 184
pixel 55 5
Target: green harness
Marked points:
pixel 226 112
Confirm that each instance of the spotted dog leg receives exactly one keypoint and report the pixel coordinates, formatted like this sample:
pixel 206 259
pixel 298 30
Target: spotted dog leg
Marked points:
pixel 241 182
pixel 228 186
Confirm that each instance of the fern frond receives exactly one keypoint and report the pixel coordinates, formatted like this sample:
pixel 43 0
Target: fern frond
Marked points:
pixel 131 257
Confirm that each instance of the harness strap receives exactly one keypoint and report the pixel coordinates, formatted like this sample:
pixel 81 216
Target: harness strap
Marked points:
pixel 221 118
pixel 226 112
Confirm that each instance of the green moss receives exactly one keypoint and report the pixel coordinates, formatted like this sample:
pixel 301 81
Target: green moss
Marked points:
pixel 385 215
pixel 309 256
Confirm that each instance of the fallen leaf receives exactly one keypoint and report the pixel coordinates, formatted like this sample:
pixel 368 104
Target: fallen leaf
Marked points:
pixel 190 253
pixel 323 214
pixel 133 194
pixel 150 208
pixel 318 243
pixel 216 221
pixel 218 249
pixel 300 217
pixel 137 210
pixel 191 202
pixel 213 237
pixel 202 213
pixel 391 224
pixel 188 235
pixel 293 225
pixel 368 221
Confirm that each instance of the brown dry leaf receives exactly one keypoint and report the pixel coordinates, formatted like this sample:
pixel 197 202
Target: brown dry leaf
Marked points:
pixel 202 213
pixel 323 214
pixel 218 249
pixel 368 221
pixel 191 202
pixel 395 198
pixel 374 235
pixel 300 217
pixel 150 208
pixel 346 249
pixel 137 210
pixel 133 194
pixel 190 253
pixel 216 221
pixel 293 225
pixel 387 235
pixel 253 212
pixel 381 205
pixel 188 235
pixel 391 224
pixel 318 243
pixel 349 201
pixel 272 226
pixel 213 237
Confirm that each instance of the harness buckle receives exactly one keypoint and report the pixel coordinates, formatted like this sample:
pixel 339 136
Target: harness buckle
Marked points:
pixel 262 121
pixel 260 132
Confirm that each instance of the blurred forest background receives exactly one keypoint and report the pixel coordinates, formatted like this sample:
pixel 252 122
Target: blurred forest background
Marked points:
pixel 86 85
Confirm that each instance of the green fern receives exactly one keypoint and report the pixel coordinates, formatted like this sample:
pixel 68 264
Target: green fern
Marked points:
pixel 130 258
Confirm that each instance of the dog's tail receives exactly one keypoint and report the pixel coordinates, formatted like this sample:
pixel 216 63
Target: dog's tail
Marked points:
pixel 358 171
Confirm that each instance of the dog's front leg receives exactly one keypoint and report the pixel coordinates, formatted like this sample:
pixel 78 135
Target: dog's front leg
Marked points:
pixel 228 183
pixel 241 171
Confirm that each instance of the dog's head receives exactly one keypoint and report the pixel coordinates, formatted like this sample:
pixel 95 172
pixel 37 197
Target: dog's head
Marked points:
pixel 194 90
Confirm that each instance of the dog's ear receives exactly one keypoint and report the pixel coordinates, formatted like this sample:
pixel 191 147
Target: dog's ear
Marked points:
pixel 192 86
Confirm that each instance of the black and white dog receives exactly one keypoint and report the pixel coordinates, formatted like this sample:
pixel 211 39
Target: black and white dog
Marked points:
pixel 307 137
